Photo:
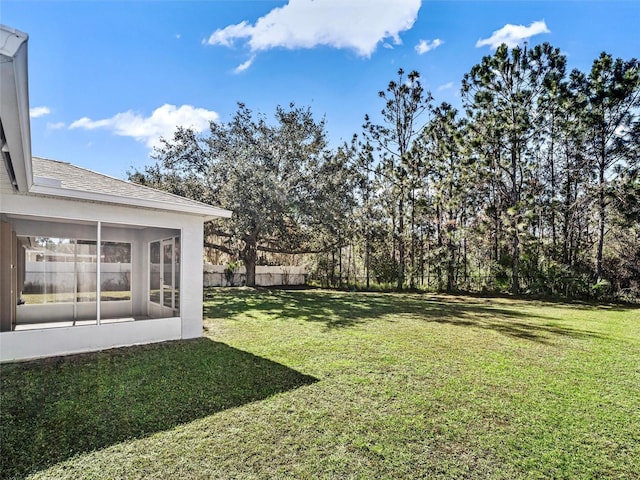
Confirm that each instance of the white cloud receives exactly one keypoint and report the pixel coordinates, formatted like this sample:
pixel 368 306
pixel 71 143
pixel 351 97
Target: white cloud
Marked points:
pixel 446 86
pixel 227 35
pixel 512 35
pixel 426 45
pixel 243 66
pixel 55 126
pixel 36 112
pixel 357 25
pixel 148 130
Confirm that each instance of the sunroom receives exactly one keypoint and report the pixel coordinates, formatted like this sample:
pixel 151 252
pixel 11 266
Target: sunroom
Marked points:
pixel 87 273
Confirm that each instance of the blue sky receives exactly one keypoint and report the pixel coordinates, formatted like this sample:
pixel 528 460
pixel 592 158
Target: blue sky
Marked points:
pixel 108 78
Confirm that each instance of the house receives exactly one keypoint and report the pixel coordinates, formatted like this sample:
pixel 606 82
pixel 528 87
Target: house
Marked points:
pixel 87 261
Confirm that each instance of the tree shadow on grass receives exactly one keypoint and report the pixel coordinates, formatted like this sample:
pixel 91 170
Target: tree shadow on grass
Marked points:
pixel 342 310
pixel 53 409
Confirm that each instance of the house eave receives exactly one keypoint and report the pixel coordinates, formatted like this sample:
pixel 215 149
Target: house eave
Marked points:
pixel 14 107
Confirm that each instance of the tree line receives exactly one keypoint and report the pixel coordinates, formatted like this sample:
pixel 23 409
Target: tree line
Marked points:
pixel 533 188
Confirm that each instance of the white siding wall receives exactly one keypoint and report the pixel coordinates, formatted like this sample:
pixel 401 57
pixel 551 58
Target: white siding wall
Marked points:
pixel 47 342
pixel 191 281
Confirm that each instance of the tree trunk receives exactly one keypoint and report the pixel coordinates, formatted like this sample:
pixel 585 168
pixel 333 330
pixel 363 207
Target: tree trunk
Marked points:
pixel 515 199
pixel 348 264
pixel 566 240
pixel 367 256
pixel 412 254
pixel 450 265
pixel 401 241
pixel 421 256
pixel 333 268
pixel 464 261
pixel 601 220
pixel 340 264
pixel 440 244
pixel 552 165
pixel 496 224
pixel 428 259
pixel 465 269
pixel 515 265
pixel 249 258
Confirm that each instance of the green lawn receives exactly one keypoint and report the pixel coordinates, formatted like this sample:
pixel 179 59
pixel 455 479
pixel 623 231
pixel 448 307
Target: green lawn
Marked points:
pixel 316 384
pixel 68 297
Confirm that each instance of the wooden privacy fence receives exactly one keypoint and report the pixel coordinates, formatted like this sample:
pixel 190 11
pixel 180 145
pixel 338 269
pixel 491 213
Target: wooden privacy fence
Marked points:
pixel 266 276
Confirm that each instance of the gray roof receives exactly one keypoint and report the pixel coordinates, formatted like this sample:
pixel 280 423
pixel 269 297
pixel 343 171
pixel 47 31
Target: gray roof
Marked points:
pixel 70 177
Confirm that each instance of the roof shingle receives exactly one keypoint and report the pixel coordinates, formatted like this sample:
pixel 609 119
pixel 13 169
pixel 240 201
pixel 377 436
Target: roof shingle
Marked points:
pixel 72 177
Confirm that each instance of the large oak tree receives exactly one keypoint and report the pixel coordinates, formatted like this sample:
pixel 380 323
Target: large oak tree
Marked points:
pixel 279 179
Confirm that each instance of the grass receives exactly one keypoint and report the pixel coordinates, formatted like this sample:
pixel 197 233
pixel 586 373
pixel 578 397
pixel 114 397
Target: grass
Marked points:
pixel 317 384
pixel 67 297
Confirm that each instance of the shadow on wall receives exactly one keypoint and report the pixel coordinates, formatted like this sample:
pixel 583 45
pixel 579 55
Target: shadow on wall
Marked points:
pixel 56 408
